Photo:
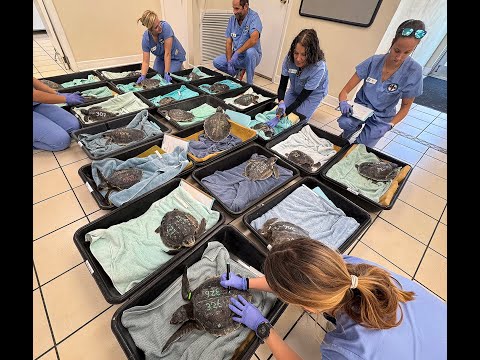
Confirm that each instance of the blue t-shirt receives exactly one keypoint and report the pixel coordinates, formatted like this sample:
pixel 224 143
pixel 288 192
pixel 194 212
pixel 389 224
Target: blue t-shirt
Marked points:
pixel 422 335
pixel 383 97
pixel 157 48
pixel 241 33
pixel 313 77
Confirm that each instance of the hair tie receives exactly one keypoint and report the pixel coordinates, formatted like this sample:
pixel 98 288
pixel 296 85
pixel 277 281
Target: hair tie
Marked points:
pixel 354 282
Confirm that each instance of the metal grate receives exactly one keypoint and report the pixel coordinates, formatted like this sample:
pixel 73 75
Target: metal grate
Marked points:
pixel 212 33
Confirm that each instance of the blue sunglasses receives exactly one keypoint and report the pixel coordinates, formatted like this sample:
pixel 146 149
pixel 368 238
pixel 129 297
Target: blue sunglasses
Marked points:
pixel 418 33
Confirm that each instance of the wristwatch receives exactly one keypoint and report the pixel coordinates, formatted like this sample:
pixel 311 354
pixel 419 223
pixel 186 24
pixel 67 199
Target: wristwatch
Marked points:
pixel 263 331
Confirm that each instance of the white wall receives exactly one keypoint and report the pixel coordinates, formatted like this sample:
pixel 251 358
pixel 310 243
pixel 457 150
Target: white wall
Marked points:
pixel 37 20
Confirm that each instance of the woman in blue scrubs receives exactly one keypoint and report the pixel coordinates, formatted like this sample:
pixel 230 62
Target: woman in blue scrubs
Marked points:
pixel 305 67
pixel 387 79
pixel 160 40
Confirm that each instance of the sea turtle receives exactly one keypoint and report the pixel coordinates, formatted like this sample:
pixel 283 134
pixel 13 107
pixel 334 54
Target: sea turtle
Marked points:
pixel 118 180
pixel 123 136
pixel 277 231
pixel 267 130
pixel 166 100
pixel 89 97
pixel 134 73
pixel 193 76
pixel 179 229
pixel 216 126
pixel 148 84
pixel 206 310
pixel 378 170
pixel 302 159
pixel 177 115
pixel 96 113
pixel 218 87
pixel 246 99
pixel 261 168
pixel 52 84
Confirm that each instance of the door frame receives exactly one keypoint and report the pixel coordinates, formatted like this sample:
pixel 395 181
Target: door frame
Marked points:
pixel 440 58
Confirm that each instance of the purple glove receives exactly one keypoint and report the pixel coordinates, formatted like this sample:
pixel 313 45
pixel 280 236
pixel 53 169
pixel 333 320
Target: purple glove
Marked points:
pixel 345 108
pixel 167 77
pixel 272 123
pixel 141 78
pixel 249 315
pixel 235 281
pixel 74 99
pixel 234 58
pixel 231 69
pixel 281 107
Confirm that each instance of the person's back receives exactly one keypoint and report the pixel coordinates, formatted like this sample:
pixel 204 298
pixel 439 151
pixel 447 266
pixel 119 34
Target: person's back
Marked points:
pixel 421 335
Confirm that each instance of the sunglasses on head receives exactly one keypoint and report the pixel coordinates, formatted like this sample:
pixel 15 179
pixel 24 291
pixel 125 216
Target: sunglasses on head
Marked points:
pixel 418 33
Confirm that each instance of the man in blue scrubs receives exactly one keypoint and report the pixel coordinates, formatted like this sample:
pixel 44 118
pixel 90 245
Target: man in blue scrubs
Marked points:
pixel 387 79
pixel 243 49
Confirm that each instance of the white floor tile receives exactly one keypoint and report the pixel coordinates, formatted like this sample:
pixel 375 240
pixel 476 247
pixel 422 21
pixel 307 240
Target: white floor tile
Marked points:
pixel 402 152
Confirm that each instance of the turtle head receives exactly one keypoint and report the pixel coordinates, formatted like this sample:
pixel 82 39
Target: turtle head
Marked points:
pixel 271 161
pixel 189 241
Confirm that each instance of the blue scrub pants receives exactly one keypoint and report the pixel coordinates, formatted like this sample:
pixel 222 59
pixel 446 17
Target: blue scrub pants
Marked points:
pixel 159 65
pixel 247 60
pixel 52 126
pixel 307 107
pixel 371 133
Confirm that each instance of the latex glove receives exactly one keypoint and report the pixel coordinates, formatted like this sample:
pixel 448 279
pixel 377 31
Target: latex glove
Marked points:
pixel 234 58
pixel 247 313
pixel 235 281
pixel 141 78
pixel 231 69
pixel 283 107
pixel 167 77
pixel 74 99
pixel 345 108
pixel 272 123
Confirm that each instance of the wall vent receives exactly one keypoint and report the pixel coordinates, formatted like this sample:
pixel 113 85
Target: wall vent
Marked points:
pixel 212 33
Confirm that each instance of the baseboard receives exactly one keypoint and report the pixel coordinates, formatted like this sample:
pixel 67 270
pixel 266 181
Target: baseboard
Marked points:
pixel 108 62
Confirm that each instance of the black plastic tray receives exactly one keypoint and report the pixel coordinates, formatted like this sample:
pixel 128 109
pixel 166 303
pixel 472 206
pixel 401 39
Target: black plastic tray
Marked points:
pixel 238 245
pixel 85 172
pixel 348 207
pixel 335 139
pixel 122 214
pixel 234 159
pixel 59 79
pixel 90 86
pixel 114 124
pixel 203 69
pixel 235 92
pixel 267 106
pixel 122 68
pixel 130 79
pixel 358 198
pixel 190 104
pixel 213 80
pixel 146 95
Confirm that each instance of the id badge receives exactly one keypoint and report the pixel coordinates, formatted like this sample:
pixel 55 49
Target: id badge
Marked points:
pixel 371 80
pixel 292 71
pixel 233 35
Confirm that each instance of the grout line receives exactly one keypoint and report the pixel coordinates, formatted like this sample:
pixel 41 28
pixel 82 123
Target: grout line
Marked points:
pixel 61 227
pixel 66 271
pixel 288 332
pixel 50 197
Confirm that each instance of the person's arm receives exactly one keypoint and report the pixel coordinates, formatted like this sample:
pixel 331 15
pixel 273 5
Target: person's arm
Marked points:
pixel 252 40
pixel 259 283
pixel 229 48
pixel 145 62
pixel 48 98
pixel 404 108
pixel 37 84
pixel 298 101
pixel 282 88
pixel 167 57
pixel 279 348
pixel 354 81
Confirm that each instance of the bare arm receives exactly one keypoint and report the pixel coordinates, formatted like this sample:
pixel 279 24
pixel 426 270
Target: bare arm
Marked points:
pixel 259 283
pixel 354 81
pixel 45 94
pixel 145 62
pixel 252 40
pixel 228 48
pixel 167 57
pixel 279 348
pixel 37 84
pixel 404 108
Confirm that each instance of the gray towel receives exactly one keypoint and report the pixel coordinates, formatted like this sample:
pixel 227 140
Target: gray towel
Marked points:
pixel 149 325
pixel 204 146
pixel 236 191
pixel 323 221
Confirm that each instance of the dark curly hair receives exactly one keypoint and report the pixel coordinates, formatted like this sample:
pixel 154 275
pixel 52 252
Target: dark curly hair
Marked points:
pixel 309 40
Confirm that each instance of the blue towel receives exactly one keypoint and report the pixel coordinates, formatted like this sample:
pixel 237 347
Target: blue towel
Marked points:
pixel 236 191
pixel 204 146
pixel 231 84
pixel 180 94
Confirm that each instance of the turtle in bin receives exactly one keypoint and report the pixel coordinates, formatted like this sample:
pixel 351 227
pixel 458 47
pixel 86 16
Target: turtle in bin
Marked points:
pixel 267 130
pixel 218 87
pixel 123 136
pixel 216 126
pixel 119 180
pixel 261 168
pixel 97 113
pixel 379 171
pixel 166 100
pixel 246 99
pixel 302 159
pixel 277 231
pixel 193 76
pixel 207 309
pixel 148 83
pixel 177 115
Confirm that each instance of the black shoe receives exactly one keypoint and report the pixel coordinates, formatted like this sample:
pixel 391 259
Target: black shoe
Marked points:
pixel 359 127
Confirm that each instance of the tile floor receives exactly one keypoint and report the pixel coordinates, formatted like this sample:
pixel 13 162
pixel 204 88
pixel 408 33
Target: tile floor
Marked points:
pixel 71 317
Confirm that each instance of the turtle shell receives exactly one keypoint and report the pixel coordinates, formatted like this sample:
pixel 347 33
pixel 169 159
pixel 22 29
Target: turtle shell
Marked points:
pixel 246 99
pixel 166 100
pixel 177 115
pixel 123 136
pixel 192 76
pixel 134 73
pixel 149 83
pixel 216 126
pixel 52 84
pixel 261 168
pixel 179 229
pixel 217 88
pixel 267 130
pixel 277 231
pixel 96 113
pixel 378 170
pixel 125 178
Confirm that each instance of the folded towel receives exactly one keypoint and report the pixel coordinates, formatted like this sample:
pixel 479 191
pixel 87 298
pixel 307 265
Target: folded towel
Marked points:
pixel 196 71
pixel 75 82
pixel 118 75
pixel 261 98
pixel 204 146
pixel 179 94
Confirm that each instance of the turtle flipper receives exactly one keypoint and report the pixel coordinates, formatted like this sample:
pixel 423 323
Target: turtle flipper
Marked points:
pixel 182 314
pixel 184 329
pixel 201 227
pixel 107 195
pixel 276 174
pixel 266 226
pixel 103 180
pixel 186 294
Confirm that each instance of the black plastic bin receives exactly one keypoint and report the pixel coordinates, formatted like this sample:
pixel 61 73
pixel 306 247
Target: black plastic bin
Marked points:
pixel 122 68
pixel 203 69
pixel 129 80
pixel 59 79
pixel 85 172
pixel 212 80
pixel 146 95
pixel 122 214
pixel 190 104
pixel 258 90
pixel 348 207
pixel 267 106
pixel 237 245
pixel 358 198
pixel 234 159
pixel 91 86
pixel 335 139
pixel 114 124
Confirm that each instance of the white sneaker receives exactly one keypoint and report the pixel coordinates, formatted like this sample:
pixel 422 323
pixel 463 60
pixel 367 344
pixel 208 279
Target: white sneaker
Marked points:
pixel 354 136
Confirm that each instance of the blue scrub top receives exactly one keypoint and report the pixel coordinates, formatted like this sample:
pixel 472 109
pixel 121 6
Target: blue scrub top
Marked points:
pixel 241 33
pixel 383 97
pixel 158 49
pixel 312 77
pixel 422 334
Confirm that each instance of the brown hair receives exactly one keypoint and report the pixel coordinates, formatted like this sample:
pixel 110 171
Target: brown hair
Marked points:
pixel 309 40
pixel 148 19
pixel 307 273
pixel 411 23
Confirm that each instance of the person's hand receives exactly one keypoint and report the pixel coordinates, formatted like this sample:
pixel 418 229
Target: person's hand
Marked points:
pixel 230 68
pixel 74 99
pixel 281 109
pixel 235 281
pixel 141 78
pixel 345 108
pixel 247 313
pixel 272 123
pixel 234 58
pixel 167 77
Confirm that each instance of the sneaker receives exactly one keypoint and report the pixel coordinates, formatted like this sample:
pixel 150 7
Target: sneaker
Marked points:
pixel 354 136
pixel 355 133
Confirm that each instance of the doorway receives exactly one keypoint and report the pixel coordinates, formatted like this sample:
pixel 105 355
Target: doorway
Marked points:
pixel 439 71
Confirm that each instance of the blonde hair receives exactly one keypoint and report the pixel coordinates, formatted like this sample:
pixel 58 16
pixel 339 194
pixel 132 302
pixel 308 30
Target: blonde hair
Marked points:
pixel 148 19
pixel 307 273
